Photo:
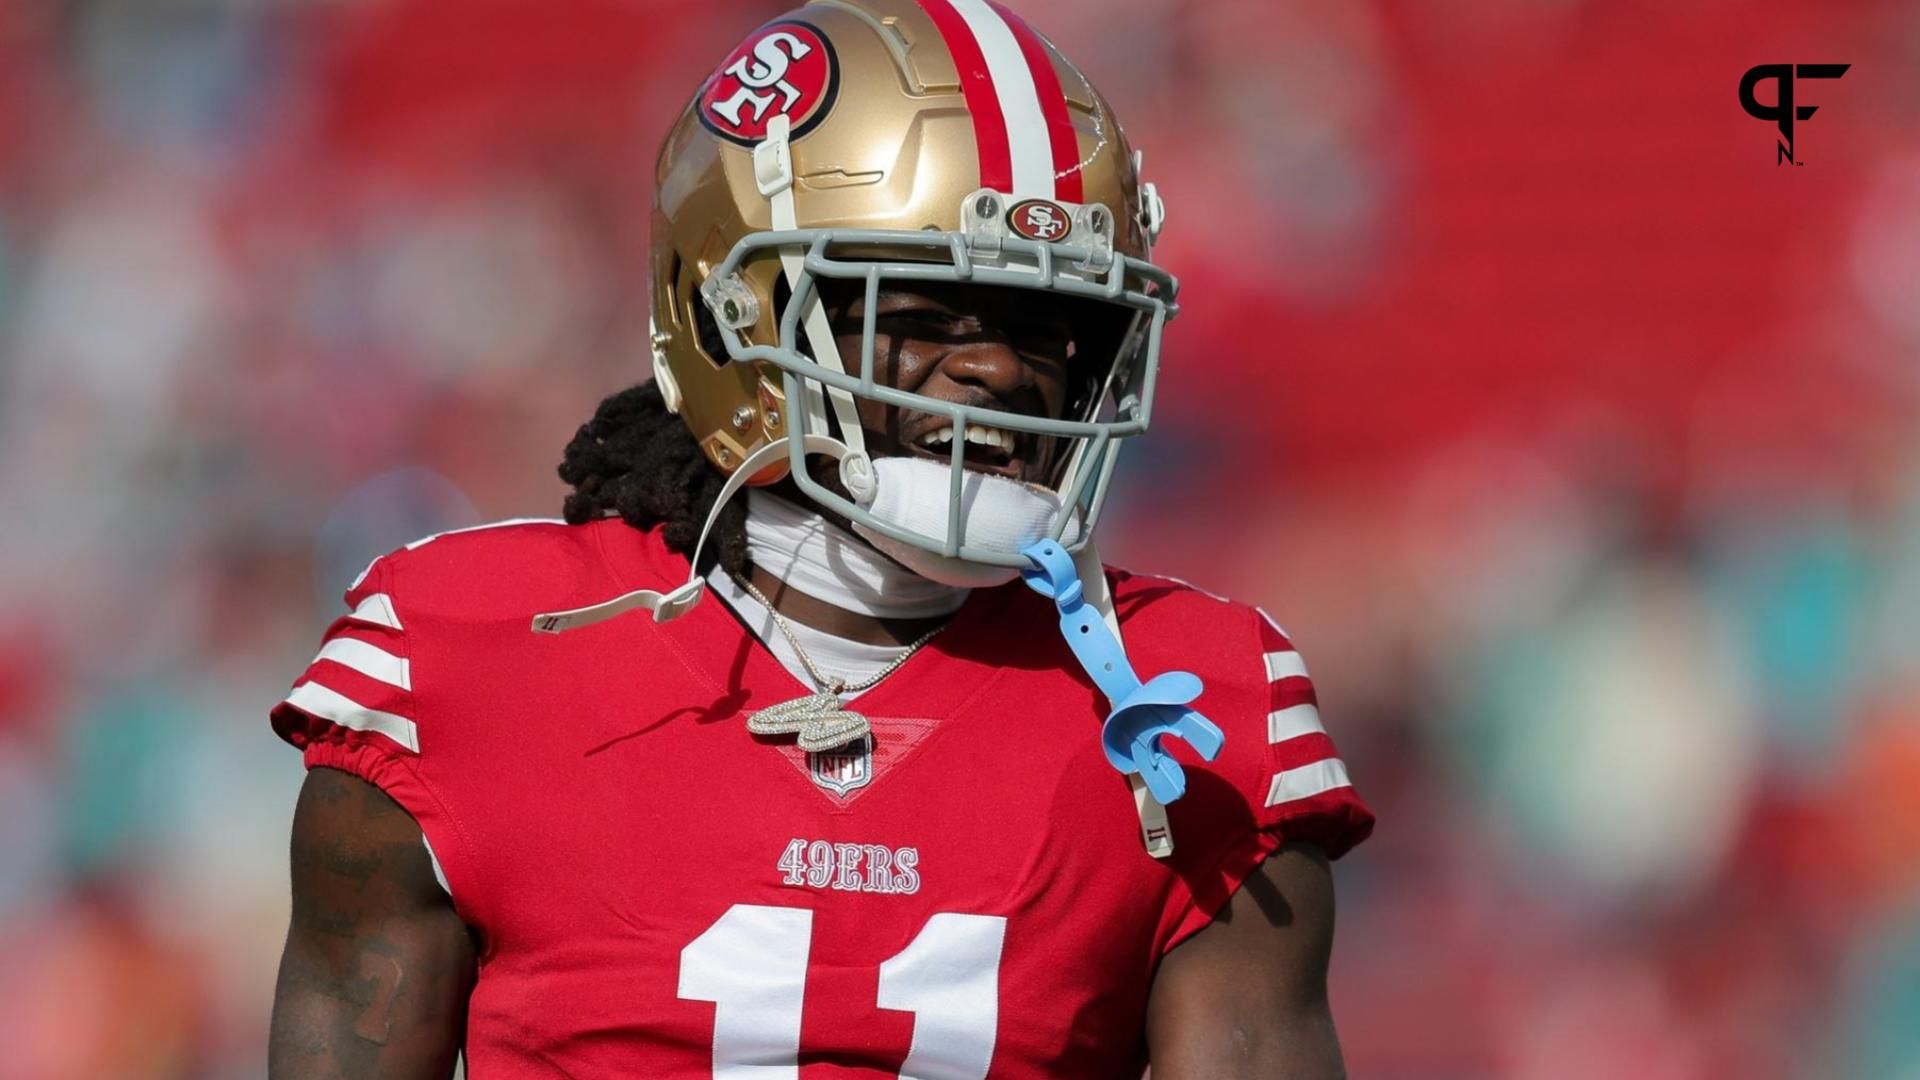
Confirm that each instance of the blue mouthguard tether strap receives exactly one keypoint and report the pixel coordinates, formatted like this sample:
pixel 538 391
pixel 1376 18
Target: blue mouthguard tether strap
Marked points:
pixel 1140 712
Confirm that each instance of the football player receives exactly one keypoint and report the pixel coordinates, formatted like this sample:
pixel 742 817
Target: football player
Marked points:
pixel 816 741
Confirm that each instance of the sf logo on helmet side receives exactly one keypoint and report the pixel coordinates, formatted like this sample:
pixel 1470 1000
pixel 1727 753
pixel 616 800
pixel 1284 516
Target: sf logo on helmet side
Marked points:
pixel 784 68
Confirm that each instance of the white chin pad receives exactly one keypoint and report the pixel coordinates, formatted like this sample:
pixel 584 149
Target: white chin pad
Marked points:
pixel 1001 515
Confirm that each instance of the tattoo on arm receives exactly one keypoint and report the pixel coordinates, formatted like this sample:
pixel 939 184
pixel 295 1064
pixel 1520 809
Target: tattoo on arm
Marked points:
pixel 377 968
pixel 384 975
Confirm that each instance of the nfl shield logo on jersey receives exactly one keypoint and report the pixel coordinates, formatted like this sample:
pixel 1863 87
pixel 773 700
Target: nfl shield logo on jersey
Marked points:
pixel 843 768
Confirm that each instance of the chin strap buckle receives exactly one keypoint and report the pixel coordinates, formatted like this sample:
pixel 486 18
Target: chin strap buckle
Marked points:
pixel 1141 714
pixel 666 607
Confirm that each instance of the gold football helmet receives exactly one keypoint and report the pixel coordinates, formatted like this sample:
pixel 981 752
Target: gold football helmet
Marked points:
pixel 866 141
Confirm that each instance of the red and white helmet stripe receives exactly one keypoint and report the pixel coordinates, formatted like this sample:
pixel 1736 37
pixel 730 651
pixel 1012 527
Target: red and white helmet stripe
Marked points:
pixel 1025 138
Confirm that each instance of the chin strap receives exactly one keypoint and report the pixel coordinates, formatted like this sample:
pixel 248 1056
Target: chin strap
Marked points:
pixel 773 175
pixel 669 606
pixel 1141 713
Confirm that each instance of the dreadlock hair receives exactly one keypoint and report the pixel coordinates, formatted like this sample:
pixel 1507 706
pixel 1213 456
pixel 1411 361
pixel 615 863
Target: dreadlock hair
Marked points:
pixel 636 459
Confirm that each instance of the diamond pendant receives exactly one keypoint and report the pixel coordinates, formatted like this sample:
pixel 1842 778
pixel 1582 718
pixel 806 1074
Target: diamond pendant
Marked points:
pixel 818 719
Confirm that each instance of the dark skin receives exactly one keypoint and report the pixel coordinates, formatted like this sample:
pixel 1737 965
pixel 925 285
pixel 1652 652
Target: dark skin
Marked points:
pixel 1247 996
pixel 992 348
pixel 378 967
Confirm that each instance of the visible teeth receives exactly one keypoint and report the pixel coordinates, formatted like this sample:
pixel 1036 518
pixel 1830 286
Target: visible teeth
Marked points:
pixel 1000 440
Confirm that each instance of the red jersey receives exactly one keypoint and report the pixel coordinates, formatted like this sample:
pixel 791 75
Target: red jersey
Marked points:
pixel 661 893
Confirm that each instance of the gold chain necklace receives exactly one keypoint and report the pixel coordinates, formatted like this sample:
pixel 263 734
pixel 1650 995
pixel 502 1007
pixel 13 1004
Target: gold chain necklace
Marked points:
pixel 820 720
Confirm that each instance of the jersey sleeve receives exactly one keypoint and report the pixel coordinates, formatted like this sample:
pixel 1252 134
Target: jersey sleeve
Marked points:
pixel 1309 797
pixel 354 709
pixel 1284 782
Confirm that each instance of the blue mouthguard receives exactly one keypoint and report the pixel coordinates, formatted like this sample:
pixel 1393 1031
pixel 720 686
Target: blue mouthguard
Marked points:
pixel 1142 712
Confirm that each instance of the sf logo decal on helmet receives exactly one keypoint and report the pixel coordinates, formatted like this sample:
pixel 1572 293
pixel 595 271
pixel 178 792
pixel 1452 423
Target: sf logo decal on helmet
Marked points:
pixel 1038 219
pixel 786 68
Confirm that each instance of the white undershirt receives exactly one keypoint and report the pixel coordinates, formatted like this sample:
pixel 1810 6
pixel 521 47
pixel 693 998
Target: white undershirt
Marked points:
pixel 835 657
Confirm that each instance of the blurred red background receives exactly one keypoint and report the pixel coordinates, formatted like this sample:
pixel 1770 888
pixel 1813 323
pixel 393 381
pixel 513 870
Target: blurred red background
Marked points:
pixel 1571 436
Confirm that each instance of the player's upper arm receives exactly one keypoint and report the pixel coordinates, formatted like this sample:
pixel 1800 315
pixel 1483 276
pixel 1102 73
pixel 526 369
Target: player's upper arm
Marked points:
pixel 1278 780
pixel 1240 988
pixel 1247 995
pixel 378 966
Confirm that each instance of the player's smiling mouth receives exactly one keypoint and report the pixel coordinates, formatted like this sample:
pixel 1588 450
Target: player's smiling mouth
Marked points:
pixel 990 450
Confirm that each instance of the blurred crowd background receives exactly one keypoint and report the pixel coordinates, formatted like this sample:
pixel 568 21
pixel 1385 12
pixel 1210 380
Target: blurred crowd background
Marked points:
pixel 1572 437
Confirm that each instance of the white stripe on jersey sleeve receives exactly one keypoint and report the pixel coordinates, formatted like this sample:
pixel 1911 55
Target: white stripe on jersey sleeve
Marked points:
pixel 370 660
pixel 433 860
pixel 1028 140
pixel 1292 785
pixel 1293 722
pixel 1282 665
pixel 311 697
pixel 377 609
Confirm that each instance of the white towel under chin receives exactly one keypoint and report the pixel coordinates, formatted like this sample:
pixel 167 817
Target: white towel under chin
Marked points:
pixel 1000 515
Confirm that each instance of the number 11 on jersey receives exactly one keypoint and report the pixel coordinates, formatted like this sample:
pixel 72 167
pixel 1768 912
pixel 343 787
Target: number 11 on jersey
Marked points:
pixel 752 964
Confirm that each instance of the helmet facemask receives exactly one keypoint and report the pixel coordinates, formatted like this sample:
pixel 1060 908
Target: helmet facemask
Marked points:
pixel 1115 397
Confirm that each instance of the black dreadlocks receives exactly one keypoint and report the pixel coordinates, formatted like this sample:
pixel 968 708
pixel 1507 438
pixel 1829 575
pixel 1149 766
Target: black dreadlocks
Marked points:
pixel 637 459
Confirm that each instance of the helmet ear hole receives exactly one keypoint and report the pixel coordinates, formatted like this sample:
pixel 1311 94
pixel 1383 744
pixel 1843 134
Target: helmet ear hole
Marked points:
pixel 707 329
pixel 707 335
pixel 668 313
